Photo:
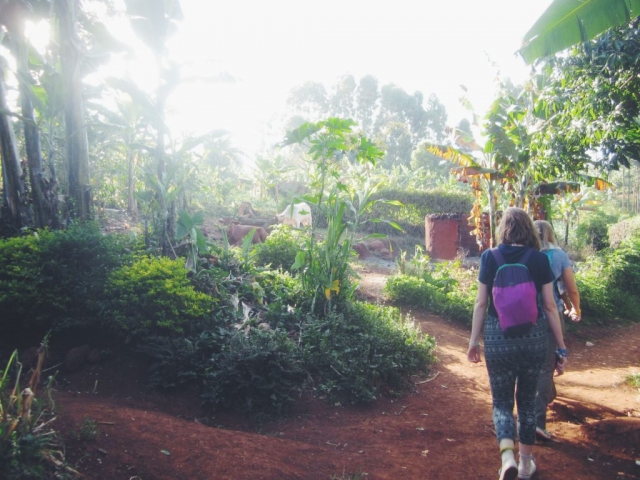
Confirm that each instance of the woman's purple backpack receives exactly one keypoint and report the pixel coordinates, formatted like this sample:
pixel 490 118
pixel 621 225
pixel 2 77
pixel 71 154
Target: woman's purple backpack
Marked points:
pixel 515 297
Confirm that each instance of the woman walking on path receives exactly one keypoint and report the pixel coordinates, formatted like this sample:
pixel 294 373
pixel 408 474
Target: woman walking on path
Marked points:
pixel 515 358
pixel 564 284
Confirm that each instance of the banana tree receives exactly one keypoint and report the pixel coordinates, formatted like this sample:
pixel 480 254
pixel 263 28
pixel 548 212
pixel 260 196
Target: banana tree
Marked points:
pixel 127 124
pixel 154 22
pixel 476 167
pixel 43 190
pixel 568 22
pixel 15 207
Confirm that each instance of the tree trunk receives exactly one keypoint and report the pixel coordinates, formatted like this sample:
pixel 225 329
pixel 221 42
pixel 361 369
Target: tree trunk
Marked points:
pixel 15 204
pixel 132 206
pixel 80 197
pixel 492 213
pixel 44 196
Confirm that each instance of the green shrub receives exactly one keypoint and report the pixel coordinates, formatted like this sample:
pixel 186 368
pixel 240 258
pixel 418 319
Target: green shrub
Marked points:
pixel 439 290
pixel 182 361
pixel 593 230
pixel 609 284
pixel 257 371
pixel 409 290
pixel 417 205
pixel 633 380
pixel 280 248
pixel 352 355
pixel 54 280
pixel 624 266
pixel 624 230
pixel 27 299
pixel 153 296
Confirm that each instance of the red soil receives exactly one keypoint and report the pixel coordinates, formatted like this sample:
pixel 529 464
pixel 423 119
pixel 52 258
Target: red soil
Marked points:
pixel 441 431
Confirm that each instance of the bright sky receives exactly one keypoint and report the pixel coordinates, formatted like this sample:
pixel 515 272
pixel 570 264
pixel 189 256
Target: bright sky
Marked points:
pixel 271 47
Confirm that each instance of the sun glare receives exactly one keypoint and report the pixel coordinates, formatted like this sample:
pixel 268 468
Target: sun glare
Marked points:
pixel 38 35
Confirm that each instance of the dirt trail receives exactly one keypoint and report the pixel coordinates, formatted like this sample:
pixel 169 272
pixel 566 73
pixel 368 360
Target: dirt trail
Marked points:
pixel 442 431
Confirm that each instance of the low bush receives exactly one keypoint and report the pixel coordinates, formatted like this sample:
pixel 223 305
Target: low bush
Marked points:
pixel 181 361
pixel 354 354
pixel 633 380
pixel 624 230
pixel 54 280
pixel 256 371
pixel 609 284
pixel 443 288
pixel 280 248
pixel 351 356
pixel 592 231
pixel 417 205
pixel 153 296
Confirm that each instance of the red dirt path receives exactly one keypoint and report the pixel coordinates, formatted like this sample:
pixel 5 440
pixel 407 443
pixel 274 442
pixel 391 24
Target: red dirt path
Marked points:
pixel 441 431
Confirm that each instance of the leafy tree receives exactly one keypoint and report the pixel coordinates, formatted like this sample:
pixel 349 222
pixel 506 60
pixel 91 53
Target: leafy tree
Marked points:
pixel 77 149
pixel 592 99
pixel 367 96
pixel 310 99
pixel 395 119
pixel 43 191
pixel 342 98
pixel 154 23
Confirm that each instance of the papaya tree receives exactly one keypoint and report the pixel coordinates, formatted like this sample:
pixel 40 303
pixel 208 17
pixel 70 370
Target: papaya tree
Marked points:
pixel 324 266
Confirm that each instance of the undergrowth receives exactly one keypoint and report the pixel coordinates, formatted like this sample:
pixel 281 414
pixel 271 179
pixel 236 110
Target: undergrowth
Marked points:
pixel 443 288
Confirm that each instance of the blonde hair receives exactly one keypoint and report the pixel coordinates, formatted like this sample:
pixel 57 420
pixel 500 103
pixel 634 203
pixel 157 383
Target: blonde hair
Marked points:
pixel 546 234
pixel 516 228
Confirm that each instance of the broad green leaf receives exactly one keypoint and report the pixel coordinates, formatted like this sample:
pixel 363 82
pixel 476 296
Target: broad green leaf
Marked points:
pixel 301 257
pixel 569 22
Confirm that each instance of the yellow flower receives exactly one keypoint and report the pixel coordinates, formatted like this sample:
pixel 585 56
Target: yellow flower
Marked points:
pixel 335 286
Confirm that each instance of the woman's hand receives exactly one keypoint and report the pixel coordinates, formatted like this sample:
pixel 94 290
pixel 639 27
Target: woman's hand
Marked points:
pixel 561 365
pixel 473 354
pixel 575 315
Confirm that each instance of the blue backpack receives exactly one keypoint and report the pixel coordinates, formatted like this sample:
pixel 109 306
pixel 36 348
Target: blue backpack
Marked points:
pixel 558 285
pixel 514 294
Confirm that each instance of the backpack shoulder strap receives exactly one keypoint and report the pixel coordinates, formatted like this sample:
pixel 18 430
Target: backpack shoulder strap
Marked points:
pixel 497 254
pixel 526 256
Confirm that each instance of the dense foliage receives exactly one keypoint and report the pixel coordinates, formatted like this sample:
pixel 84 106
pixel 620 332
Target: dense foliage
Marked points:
pixel 624 230
pixel 280 248
pixel 243 335
pixel 444 288
pixel 153 296
pixel 609 284
pixel 593 231
pixel 55 280
pixel 415 206
pixel 353 354
pixel 592 99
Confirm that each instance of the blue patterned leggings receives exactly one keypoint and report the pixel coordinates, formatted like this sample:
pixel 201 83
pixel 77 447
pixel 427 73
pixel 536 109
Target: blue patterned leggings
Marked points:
pixel 514 365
